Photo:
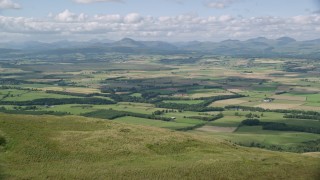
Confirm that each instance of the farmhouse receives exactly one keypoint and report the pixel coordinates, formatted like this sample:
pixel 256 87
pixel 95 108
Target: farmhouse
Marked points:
pixel 268 100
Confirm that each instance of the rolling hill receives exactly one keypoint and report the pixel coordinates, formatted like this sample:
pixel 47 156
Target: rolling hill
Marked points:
pixel 71 147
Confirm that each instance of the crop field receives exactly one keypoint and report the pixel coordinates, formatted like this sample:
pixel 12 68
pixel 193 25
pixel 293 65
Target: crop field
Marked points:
pixel 279 105
pixel 229 102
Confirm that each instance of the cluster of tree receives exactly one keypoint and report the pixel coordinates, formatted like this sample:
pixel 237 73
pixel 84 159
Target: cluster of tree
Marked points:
pixel 149 95
pixel 190 60
pixel 105 114
pixel 201 107
pixel 258 109
pixel 113 114
pixel 251 122
pixel 280 92
pixel 125 98
pixel 287 127
pixel 54 101
pixel 70 93
pixel 3 140
pixel 279 126
pixel 209 100
pixel 26 112
pixel 161 112
pixel 204 118
pixel 251 115
pixel 10 81
pixel 19 88
pixel 302 116
pixel 26 108
pixel 113 90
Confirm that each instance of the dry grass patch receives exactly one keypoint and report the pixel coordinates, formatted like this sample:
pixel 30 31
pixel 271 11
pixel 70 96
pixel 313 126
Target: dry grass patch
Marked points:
pixel 313 154
pixel 277 106
pixel 290 98
pixel 269 61
pixel 72 90
pixel 236 90
pixel 229 102
pixel 307 108
pixel 216 129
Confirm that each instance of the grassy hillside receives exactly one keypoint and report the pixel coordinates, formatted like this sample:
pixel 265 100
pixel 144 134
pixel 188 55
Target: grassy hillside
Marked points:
pixel 48 147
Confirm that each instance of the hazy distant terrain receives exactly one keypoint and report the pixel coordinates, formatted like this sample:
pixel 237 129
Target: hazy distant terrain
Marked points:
pixel 284 47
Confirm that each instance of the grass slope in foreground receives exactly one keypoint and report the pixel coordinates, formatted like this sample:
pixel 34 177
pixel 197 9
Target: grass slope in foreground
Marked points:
pixel 48 147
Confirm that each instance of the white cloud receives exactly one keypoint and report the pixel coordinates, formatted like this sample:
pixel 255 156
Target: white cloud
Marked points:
pixel 225 18
pixel 8 4
pixel 132 18
pixel 219 4
pixel 68 16
pixel 69 25
pixel 94 1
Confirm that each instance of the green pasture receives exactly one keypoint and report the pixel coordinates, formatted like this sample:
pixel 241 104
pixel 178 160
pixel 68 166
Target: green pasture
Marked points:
pixel 151 122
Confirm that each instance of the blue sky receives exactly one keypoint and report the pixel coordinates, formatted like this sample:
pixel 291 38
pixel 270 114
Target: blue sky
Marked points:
pixel 284 8
pixel 174 20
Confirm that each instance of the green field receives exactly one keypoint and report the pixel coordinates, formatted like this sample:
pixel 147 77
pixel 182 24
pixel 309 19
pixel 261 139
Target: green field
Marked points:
pixel 154 123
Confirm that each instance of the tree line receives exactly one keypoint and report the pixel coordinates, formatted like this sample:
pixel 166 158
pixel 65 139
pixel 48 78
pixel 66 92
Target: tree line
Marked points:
pixel 258 109
pixel 279 126
pixel 113 114
pixel 54 101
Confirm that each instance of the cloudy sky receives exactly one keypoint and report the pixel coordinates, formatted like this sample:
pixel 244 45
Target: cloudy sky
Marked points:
pixel 167 20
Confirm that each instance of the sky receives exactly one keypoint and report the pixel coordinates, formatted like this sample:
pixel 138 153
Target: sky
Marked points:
pixel 165 20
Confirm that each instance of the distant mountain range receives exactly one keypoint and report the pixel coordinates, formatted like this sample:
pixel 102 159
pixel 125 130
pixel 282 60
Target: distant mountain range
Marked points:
pixel 256 47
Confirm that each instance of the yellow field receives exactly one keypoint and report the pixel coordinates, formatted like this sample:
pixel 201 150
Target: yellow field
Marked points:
pixel 228 102
pixel 72 90
pixel 307 108
pixel 278 106
pixel 290 98
pixel 216 129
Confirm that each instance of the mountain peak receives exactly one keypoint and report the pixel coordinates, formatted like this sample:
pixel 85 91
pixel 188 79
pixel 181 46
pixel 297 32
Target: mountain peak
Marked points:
pixel 129 40
pixel 286 39
pixel 258 39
